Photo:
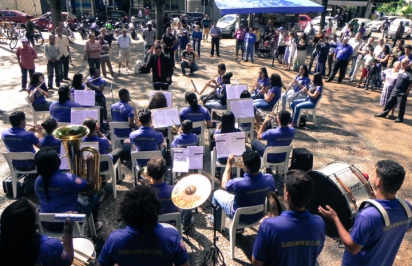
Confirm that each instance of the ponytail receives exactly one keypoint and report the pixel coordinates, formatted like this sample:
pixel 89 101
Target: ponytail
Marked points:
pixel 47 162
pixel 191 99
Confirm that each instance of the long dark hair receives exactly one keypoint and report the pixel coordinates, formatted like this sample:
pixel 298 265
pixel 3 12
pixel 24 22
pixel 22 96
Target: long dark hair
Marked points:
pixel 64 94
pixel 228 122
pixel 275 80
pixel 265 72
pixel 305 67
pixel 191 99
pixel 47 162
pixel 317 79
pixel 34 81
pixel 19 234
pixel 158 101
pixel 77 82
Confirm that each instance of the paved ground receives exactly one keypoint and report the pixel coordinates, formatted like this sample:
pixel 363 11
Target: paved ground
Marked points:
pixel 346 131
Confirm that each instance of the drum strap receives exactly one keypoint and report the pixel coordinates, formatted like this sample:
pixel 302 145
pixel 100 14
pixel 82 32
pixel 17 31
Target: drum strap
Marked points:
pixel 348 191
pixel 363 180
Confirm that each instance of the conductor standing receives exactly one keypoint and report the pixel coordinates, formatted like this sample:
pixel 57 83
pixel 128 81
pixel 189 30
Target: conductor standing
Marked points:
pixel 162 69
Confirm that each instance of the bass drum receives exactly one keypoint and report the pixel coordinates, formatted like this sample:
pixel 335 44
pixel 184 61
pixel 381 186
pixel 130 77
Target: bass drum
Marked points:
pixel 341 186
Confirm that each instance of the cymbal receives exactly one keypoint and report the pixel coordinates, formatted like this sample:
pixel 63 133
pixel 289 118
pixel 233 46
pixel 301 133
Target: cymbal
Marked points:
pixel 191 191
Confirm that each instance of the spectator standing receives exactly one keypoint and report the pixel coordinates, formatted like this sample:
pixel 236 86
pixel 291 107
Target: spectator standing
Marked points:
pixel 385 28
pixel 197 38
pixel 216 33
pixel 240 34
pixel 333 43
pixel 92 49
pixel 63 42
pixel 169 40
pixel 343 55
pixel 105 56
pixel 149 36
pixel 300 57
pixel 30 30
pixel 206 26
pixel 399 33
pixel 250 39
pixel 397 52
pixel 25 56
pixel 123 42
pixel 52 54
pixel 355 43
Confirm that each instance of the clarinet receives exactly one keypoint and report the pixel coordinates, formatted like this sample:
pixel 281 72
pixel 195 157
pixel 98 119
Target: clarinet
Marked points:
pixel 300 92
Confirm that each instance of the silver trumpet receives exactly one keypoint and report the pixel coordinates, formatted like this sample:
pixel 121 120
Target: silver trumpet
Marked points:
pixel 301 91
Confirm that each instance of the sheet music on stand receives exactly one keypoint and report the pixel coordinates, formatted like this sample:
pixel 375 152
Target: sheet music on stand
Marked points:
pixel 195 157
pixel 187 158
pixel 165 117
pixel 84 97
pixel 78 116
pixel 242 108
pixel 233 91
pixel 230 143
pixel 167 94
pixel 64 165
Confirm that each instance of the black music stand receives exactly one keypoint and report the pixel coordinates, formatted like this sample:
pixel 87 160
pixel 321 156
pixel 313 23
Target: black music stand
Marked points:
pixel 214 253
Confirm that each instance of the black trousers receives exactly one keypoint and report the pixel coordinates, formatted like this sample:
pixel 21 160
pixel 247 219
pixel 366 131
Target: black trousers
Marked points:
pixel 170 52
pixel 340 65
pixel 215 42
pixel 395 98
pixel 24 76
pixel 330 64
pixel 65 67
pixel 101 101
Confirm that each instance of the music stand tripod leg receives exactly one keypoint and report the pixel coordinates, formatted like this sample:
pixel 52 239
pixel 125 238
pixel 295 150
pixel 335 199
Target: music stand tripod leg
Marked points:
pixel 214 252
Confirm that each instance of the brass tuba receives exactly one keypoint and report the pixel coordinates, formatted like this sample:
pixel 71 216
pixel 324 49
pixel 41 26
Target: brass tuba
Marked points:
pixel 71 137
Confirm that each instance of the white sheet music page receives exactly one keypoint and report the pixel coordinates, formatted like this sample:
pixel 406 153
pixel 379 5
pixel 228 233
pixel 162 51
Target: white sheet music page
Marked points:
pixel 167 94
pixel 233 91
pixel 165 117
pixel 180 161
pixel 230 143
pixel 195 157
pixel 84 97
pixel 78 116
pixel 242 108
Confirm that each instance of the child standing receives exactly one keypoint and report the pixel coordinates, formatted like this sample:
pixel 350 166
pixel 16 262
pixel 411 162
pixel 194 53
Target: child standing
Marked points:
pixel 367 61
pixel 373 72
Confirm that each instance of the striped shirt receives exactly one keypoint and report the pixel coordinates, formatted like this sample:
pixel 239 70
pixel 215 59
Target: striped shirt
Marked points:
pixel 104 53
pixel 124 42
pixel 149 36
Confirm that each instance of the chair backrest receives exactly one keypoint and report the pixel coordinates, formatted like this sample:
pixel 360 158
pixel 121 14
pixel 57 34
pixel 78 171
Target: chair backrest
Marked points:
pixel 49 217
pixel 276 149
pixel 144 155
pixel 30 103
pixel 175 216
pixel 9 156
pixel 117 125
pixel 200 124
pixel 320 98
pixel 247 211
pixel 108 159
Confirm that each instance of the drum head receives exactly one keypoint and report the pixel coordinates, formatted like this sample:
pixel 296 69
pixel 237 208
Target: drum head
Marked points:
pixel 272 204
pixel 83 248
pixel 327 193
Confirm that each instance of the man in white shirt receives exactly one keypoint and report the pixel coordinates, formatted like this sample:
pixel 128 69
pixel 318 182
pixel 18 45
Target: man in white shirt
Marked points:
pixel 378 49
pixel 281 45
pixel 333 43
pixel 149 36
pixel 63 42
pixel 123 42
pixel 355 42
pixel 362 51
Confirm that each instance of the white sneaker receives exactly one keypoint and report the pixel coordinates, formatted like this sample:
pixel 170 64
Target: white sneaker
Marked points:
pixel 127 70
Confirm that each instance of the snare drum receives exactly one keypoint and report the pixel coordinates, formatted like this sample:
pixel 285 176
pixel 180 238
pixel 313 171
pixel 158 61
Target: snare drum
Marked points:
pixel 341 186
pixel 84 252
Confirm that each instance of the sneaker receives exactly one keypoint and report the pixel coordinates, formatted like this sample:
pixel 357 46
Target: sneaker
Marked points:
pixel 380 115
pixel 190 225
pixel 398 120
pixel 98 226
pixel 126 70
pixel 118 71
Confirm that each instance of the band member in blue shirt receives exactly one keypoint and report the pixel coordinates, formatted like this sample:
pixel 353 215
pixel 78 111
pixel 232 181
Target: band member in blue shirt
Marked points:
pixel 123 112
pixel 37 92
pixel 21 244
pixel 61 109
pixel 370 242
pixel 96 83
pixel 296 225
pixel 187 138
pixel 144 241
pixel 49 141
pixel 194 112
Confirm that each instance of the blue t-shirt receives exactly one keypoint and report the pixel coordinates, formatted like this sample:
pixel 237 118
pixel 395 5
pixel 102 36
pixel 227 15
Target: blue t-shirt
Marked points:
pixel 314 101
pixel 62 112
pixel 197 35
pixel 293 238
pixel 250 37
pixel 379 245
pixel 250 190
pixel 280 136
pixel 51 142
pixel 343 51
pixel 121 112
pixel 146 139
pixel 275 90
pixel 305 81
pixel 52 253
pixel 184 40
pixel 129 247
pixel 185 139
pixel 265 82
pixel 202 114
pixel 164 193
pixel 403 56
pixel 17 139
pixel 104 145
pixel 97 83
pixel 62 190
pixel 38 96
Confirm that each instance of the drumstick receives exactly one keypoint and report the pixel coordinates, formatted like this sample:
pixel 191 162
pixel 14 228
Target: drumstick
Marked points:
pixel 84 255
pixel 76 262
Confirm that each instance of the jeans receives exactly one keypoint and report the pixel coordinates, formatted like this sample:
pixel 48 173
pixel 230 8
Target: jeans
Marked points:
pixel 193 67
pixel 359 64
pixel 108 63
pixel 352 67
pixel 89 205
pixel 65 67
pixel 214 104
pixel 250 51
pixel 396 97
pixel 258 146
pixel 42 106
pixel 24 76
pixel 101 101
pixel 240 44
pixel 384 33
pixel 288 98
pixel 187 217
pixel 262 104
pixel 196 46
pixel 53 67
pixel 215 42
pixel 257 95
pixel 94 62
pixel 225 200
pixel 298 105
pixel 312 58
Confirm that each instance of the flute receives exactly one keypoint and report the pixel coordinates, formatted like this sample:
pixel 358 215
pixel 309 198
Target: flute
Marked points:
pixel 300 92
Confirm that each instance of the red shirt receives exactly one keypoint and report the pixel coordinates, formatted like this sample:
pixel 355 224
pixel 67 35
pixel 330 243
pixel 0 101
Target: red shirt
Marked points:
pixel 27 56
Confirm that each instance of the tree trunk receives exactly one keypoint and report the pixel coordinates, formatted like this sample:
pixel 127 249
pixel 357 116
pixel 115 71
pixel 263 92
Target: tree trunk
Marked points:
pixel 322 17
pixel 160 10
pixel 56 12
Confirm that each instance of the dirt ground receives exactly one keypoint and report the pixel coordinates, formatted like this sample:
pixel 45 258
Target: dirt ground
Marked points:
pixel 346 131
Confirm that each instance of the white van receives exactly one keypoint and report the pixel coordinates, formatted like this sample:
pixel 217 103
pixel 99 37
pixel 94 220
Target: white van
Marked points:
pixel 394 27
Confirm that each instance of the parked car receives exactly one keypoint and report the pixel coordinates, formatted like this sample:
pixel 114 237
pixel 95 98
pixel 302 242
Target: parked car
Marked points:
pixel 376 24
pixel 44 20
pixel 394 27
pixel 13 16
pixel 368 31
pixel 115 15
pixel 195 16
pixel 227 23
pixel 316 24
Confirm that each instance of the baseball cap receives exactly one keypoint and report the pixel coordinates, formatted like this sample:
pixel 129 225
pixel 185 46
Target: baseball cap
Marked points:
pixel 281 28
pixel 149 23
pixel 24 39
pixel 408 46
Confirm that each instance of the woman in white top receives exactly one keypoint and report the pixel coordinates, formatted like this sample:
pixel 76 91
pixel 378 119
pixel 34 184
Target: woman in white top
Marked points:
pixel 292 50
pixel 390 76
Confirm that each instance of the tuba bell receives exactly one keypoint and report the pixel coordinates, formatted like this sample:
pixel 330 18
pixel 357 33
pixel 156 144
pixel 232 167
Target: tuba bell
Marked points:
pixel 71 137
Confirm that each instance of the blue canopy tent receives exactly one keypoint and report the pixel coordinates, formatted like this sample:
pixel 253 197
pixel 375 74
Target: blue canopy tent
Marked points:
pixel 267 6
